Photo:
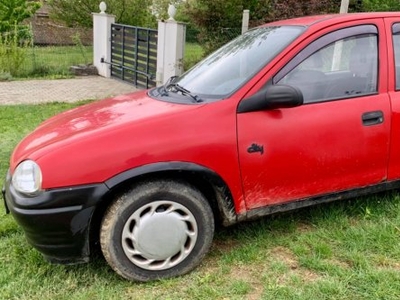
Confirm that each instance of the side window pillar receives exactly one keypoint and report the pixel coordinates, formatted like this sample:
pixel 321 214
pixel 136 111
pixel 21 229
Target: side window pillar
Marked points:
pixel 396 49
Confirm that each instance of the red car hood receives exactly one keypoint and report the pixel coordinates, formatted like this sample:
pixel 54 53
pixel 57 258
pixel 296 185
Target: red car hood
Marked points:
pixel 89 119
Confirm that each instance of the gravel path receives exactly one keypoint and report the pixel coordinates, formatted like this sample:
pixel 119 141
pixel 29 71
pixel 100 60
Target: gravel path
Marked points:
pixel 61 90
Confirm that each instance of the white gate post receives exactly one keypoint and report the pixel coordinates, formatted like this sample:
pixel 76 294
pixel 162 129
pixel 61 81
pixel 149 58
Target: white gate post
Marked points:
pixel 344 6
pixel 102 40
pixel 170 48
pixel 245 20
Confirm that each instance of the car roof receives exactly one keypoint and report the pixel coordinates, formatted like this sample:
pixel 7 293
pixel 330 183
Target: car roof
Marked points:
pixel 334 18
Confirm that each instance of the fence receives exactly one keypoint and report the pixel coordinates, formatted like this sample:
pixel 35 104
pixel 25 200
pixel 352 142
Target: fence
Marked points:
pixel 44 50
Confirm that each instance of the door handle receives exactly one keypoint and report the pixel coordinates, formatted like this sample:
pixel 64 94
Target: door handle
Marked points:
pixel 372 118
pixel 255 148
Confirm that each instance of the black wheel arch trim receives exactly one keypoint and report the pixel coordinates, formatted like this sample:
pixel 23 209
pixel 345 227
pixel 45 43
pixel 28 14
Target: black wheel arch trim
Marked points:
pixel 222 192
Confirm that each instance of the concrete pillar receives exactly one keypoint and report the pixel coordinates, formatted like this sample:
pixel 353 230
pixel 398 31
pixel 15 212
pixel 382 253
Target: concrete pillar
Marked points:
pixel 170 48
pixel 344 6
pixel 245 20
pixel 102 40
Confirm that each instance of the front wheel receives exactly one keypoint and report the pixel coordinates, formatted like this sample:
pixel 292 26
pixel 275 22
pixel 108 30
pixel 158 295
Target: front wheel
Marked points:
pixel 157 230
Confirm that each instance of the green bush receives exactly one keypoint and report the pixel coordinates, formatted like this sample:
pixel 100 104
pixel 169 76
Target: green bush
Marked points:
pixel 13 52
pixel 381 5
pixel 219 21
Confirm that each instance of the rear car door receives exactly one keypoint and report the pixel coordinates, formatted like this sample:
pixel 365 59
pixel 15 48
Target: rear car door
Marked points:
pixel 338 140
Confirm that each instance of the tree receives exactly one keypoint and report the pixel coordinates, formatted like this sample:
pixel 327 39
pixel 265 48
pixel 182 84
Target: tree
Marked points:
pixel 159 8
pixel 278 9
pixel 13 12
pixel 381 5
pixel 79 12
pixel 212 17
pixel 216 20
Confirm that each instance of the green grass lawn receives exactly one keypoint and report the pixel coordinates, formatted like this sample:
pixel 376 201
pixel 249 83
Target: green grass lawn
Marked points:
pixel 343 250
pixel 43 62
pixel 193 54
pixel 55 60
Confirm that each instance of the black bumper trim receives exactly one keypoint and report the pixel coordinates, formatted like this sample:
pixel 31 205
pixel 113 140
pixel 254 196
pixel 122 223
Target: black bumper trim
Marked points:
pixel 57 222
pixel 47 210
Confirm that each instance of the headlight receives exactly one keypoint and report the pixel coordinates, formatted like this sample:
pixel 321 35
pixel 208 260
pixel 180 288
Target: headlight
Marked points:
pixel 27 178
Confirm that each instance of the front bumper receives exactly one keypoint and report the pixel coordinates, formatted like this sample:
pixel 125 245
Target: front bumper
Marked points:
pixel 56 222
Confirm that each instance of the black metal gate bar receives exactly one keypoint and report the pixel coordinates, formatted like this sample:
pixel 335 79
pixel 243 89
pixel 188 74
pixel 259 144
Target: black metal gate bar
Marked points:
pixel 134 54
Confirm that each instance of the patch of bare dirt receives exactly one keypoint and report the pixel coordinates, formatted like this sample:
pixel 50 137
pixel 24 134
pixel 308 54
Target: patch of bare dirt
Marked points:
pixel 285 256
pixel 303 228
pixel 339 263
pixel 224 246
pixel 396 266
pixel 218 248
pixel 249 274
pixel 389 265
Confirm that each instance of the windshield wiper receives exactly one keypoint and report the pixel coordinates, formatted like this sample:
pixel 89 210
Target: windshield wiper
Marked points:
pixel 182 90
pixel 165 86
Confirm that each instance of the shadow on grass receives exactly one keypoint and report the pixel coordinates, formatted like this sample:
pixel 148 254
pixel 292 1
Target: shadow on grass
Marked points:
pixel 329 215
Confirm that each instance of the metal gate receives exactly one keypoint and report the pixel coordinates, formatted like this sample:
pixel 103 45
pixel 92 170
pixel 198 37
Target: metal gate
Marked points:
pixel 134 54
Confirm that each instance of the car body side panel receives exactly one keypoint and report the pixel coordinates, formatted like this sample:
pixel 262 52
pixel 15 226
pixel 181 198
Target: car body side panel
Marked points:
pixel 312 150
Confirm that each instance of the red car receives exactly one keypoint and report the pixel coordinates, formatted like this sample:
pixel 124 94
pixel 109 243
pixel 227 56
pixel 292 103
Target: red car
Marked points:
pixel 290 114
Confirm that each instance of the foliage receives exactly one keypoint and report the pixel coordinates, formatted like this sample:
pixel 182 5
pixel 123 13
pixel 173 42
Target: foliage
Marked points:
pixel 54 61
pixel 13 12
pixel 193 54
pixel 210 16
pixel 160 8
pixel 13 52
pixel 5 76
pixel 381 5
pixel 269 10
pixel 213 16
pixel 76 38
pixel 79 12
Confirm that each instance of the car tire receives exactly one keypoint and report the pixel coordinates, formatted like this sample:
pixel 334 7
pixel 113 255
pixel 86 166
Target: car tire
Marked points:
pixel 157 230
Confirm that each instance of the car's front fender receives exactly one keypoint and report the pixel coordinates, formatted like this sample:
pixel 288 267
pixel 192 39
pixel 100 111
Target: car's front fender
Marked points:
pixel 221 190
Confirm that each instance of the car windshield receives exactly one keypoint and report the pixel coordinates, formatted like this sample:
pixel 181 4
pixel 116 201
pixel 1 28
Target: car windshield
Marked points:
pixel 227 69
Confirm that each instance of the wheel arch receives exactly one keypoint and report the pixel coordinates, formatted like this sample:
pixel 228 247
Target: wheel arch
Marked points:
pixel 208 182
pixel 204 179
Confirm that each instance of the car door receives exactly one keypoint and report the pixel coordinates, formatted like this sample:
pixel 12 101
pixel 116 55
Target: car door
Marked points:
pixel 337 140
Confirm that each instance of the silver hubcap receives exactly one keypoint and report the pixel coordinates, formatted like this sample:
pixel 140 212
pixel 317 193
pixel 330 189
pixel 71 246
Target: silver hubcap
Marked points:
pixel 159 235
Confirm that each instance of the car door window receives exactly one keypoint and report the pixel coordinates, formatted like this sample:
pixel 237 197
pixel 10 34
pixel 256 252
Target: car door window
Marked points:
pixel 396 49
pixel 342 68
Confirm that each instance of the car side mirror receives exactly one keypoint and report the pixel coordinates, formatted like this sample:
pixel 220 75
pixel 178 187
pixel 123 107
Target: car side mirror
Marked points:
pixel 272 97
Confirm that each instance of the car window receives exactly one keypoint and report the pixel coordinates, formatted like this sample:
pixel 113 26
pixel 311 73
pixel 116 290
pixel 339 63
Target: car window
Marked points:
pixel 344 68
pixel 228 68
pixel 396 49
